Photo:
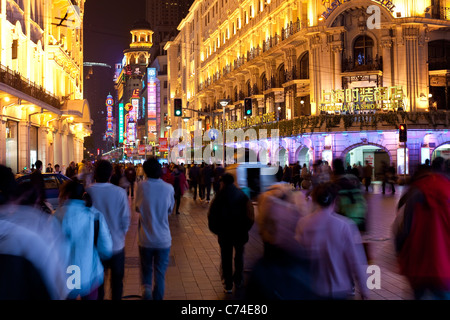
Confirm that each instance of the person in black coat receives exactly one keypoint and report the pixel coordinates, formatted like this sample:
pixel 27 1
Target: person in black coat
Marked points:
pixel 230 217
pixel 194 175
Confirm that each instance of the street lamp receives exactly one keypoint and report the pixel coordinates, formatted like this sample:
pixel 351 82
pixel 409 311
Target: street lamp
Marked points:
pixel 145 137
pixel 223 103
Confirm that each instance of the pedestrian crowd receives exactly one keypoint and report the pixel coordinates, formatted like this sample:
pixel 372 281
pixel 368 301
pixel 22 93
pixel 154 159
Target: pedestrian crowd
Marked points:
pixel 313 244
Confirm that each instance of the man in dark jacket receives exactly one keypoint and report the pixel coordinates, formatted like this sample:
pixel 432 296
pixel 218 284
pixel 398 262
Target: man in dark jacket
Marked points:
pixel 230 217
pixel 194 178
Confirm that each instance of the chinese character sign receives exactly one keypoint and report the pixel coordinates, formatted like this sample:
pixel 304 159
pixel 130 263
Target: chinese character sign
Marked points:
pixel 366 98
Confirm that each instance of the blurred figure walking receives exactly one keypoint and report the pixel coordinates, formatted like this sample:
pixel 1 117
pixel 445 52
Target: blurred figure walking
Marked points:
pixel 283 272
pixel 33 250
pixel 230 217
pixel 422 234
pixel 89 237
pixel 333 246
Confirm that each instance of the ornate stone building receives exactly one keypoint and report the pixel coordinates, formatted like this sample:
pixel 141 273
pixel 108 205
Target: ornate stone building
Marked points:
pixel 334 76
pixel 43 113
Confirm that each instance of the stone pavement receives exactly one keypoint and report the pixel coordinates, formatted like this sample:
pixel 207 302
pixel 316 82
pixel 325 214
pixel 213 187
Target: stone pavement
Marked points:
pixel 193 272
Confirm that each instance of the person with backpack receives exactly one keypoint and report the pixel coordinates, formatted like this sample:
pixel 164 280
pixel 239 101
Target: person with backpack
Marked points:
pixel 351 202
pixel 230 217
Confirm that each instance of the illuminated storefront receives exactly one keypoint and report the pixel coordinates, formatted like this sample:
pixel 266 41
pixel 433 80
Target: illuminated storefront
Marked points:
pixel 337 75
pixel 43 115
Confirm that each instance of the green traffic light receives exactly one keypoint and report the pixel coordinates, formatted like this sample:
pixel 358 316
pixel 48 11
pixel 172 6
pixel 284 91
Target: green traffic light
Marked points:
pixel 249 111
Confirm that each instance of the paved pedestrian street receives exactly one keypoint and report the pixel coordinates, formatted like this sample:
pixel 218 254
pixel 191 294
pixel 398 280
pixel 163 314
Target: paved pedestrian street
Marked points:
pixel 193 272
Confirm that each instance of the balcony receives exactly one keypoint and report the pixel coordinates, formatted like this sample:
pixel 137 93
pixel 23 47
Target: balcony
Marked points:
pixel 16 81
pixel 370 64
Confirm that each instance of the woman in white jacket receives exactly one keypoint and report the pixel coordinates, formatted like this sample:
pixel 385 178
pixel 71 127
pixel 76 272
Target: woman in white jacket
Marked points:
pixel 89 239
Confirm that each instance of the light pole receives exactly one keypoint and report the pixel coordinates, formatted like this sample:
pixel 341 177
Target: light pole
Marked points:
pixel 168 127
pixel 223 103
pixel 185 119
pixel 145 137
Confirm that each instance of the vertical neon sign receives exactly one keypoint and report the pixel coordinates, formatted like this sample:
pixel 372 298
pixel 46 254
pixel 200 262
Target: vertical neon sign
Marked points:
pixel 121 124
pixel 151 106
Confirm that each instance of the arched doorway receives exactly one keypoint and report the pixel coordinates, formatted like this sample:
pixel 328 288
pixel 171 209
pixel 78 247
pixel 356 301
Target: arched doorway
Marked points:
pixel 441 151
pixel 357 155
pixel 283 157
pixel 304 156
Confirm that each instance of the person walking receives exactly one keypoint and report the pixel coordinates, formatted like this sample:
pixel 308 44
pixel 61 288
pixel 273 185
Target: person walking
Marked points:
pixel 140 175
pixel 218 173
pixel 33 250
pixel 230 217
pixel 130 174
pixel 279 209
pixel 367 175
pixel 333 246
pixel 154 203
pixel 194 179
pixel 389 177
pixel 71 170
pixel 296 174
pixel 112 201
pixel 179 186
pixel 422 235
pixel 37 179
pixel 89 238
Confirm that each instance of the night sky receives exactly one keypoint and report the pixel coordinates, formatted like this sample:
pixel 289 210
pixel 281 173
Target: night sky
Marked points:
pixel 107 25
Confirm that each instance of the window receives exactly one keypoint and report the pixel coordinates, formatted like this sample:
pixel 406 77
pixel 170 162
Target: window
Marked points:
pixel 363 50
pixel 303 66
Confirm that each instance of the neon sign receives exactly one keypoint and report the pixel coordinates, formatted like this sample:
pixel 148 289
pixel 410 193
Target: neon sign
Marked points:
pixel 121 122
pixel 336 3
pixel 151 104
pixel 368 98
pixel 109 116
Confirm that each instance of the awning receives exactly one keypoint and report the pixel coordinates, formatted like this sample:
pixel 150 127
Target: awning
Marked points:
pixel 79 109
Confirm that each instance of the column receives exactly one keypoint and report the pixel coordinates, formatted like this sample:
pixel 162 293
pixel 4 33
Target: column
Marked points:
pixel 386 45
pixel 24 149
pixel 2 141
pixel 337 50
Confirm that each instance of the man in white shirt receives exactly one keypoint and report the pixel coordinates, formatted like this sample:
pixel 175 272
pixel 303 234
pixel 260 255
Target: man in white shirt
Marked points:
pixel 112 201
pixel 154 203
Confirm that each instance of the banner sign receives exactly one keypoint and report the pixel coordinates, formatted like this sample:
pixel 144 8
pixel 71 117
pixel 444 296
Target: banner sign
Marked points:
pixel 370 98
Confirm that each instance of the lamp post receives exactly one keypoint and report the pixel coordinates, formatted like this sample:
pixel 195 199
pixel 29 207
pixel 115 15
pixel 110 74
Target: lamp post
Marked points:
pixel 223 103
pixel 185 119
pixel 168 127
pixel 145 137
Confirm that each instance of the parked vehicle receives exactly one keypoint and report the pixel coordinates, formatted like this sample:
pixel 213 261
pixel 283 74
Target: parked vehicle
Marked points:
pixel 52 181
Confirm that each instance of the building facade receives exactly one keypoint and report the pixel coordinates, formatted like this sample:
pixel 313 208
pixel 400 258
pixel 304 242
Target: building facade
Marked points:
pixel 43 113
pixel 335 77
pixel 141 91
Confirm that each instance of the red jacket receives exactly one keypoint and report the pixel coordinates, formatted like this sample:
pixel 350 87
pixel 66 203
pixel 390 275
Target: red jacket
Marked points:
pixel 425 255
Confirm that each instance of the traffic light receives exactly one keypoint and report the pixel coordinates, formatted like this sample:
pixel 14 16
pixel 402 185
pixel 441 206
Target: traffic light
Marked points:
pixel 402 133
pixel 248 106
pixel 177 107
